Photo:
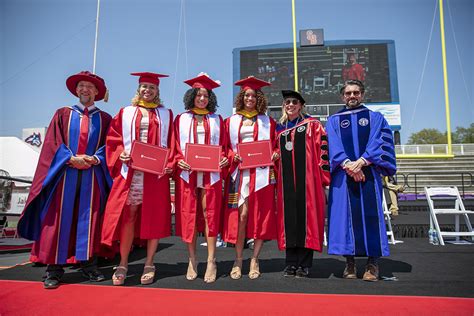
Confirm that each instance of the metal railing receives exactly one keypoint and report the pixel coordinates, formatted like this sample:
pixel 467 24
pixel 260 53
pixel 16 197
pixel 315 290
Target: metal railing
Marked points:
pixel 6 192
pixel 15 179
pixel 411 180
pixel 458 149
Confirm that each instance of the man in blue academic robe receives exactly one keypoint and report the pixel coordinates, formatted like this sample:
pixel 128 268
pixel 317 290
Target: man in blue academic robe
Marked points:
pixel 70 187
pixel 360 150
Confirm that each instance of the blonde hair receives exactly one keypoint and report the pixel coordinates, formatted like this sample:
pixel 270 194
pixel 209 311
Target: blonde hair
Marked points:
pixel 284 116
pixel 136 98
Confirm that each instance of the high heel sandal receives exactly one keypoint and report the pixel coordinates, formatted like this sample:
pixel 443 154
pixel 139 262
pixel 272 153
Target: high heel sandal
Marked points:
pixel 254 272
pixel 191 274
pixel 236 272
pixel 120 275
pixel 211 271
pixel 148 275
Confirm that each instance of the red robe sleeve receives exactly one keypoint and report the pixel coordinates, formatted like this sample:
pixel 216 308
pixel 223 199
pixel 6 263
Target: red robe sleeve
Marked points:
pixel 172 159
pixel 114 145
pixel 320 140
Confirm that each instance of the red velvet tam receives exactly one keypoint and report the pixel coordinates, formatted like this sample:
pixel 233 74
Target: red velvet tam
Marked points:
pixel 98 82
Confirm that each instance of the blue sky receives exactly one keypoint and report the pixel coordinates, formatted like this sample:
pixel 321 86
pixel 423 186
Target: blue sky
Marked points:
pixel 42 42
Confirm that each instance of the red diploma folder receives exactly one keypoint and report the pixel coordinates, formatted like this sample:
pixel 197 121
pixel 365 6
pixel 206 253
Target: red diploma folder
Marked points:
pixel 255 154
pixel 149 158
pixel 203 157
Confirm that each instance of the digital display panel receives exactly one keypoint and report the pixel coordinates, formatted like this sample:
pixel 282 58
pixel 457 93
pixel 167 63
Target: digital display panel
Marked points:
pixel 322 71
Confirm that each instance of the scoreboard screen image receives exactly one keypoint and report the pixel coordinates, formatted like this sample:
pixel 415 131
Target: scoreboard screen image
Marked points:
pixel 322 71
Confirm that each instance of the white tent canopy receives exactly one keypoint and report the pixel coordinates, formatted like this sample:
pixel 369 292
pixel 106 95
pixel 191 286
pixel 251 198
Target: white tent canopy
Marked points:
pixel 18 158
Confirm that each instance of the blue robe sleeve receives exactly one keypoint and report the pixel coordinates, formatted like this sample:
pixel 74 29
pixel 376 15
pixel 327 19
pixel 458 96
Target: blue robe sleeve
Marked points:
pixel 380 150
pixel 102 174
pixel 337 155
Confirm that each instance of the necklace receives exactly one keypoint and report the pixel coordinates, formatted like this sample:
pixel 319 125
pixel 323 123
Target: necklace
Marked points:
pixel 289 144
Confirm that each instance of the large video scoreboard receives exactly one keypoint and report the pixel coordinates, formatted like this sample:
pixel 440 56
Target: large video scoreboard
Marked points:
pixel 321 73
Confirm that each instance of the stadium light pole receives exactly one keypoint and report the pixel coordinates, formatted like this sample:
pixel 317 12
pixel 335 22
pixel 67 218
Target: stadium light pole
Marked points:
pixel 445 75
pixel 295 54
pixel 96 36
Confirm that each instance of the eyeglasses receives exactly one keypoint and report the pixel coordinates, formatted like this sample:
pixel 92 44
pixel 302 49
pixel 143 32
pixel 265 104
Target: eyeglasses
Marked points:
pixel 292 101
pixel 349 93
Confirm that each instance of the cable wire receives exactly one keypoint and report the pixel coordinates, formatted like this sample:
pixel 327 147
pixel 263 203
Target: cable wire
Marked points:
pixel 459 59
pixel 177 52
pixel 46 54
pixel 424 68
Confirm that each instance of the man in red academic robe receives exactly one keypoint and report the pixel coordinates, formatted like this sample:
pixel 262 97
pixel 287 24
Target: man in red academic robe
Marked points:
pixel 63 211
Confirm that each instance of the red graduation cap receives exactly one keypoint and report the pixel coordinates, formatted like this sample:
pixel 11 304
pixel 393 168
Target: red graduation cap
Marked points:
pixel 202 81
pixel 252 82
pixel 149 77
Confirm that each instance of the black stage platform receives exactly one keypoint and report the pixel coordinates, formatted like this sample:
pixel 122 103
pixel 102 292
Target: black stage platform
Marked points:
pixel 418 268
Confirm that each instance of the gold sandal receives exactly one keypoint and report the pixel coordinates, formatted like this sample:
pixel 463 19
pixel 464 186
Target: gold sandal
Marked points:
pixel 236 272
pixel 148 275
pixel 118 278
pixel 254 272
pixel 211 271
pixel 191 274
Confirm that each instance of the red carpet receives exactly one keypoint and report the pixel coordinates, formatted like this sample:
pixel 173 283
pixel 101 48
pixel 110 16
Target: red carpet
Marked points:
pixel 29 298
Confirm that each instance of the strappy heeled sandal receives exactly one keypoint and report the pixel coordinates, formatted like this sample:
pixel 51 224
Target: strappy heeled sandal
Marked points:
pixel 254 272
pixel 148 275
pixel 120 275
pixel 236 272
pixel 211 271
pixel 191 274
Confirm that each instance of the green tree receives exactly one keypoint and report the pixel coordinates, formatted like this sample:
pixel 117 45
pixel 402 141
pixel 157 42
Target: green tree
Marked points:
pixel 427 136
pixel 464 135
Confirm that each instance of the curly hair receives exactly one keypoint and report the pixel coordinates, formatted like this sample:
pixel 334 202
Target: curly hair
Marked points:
pixel 136 98
pixel 190 95
pixel 262 102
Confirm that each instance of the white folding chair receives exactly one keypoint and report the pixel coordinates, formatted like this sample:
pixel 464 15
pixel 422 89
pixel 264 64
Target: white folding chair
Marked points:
pixel 388 222
pixel 448 193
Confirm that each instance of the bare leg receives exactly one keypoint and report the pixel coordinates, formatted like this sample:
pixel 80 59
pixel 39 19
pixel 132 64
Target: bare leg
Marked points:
pixel 211 269
pixel 236 272
pixel 149 269
pixel 243 215
pixel 127 233
pixel 254 266
pixel 151 247
pixel 191 274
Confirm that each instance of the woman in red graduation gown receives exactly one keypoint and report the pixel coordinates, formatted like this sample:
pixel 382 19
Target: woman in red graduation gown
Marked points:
pixel 303 170
pixel 199 194
pixel 139 203
pixel 250 193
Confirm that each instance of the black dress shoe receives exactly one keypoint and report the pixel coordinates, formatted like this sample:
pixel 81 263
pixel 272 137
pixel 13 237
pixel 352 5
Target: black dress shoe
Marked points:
pixel 289 271
pixel 302 272
pixel 93 275
pixel 51 282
